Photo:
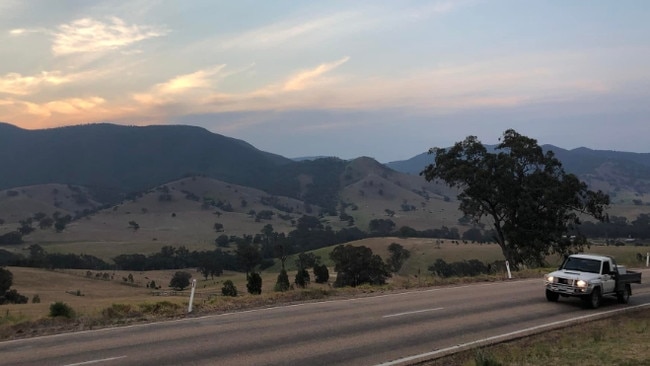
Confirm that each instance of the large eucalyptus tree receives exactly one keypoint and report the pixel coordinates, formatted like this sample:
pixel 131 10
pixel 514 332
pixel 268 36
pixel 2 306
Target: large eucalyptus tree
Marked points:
pixel 532 204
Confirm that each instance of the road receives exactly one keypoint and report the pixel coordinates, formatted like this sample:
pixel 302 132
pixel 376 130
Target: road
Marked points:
pixel 390 329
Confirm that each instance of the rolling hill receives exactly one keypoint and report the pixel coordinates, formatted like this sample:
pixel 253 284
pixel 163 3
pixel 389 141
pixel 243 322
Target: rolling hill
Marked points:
pixel 177 182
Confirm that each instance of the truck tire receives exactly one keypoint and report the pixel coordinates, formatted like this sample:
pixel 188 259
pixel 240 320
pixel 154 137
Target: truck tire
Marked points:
pixel 624 296
pixel 593 300
pixel 552 296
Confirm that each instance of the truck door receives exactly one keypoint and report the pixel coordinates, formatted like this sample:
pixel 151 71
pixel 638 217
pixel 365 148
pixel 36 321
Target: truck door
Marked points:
pixel 609 282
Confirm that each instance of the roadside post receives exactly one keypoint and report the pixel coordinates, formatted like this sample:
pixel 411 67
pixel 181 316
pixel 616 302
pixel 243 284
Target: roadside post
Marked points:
pixel 189 307
pixel 647 259
pixel 508 268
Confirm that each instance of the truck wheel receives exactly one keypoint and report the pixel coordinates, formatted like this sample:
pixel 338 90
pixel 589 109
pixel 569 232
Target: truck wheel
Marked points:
pixel 624 296
pixel 552 296
pixel 593 300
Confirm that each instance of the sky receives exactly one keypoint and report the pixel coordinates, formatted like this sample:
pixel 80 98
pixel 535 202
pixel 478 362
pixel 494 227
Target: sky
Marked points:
pixel 383 79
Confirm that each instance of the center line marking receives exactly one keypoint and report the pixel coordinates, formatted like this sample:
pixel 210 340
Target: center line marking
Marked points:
pixel 96 361
pixel 411 312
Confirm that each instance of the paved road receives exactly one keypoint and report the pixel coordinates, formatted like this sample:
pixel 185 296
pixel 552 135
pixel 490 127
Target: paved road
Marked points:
pixel 393 329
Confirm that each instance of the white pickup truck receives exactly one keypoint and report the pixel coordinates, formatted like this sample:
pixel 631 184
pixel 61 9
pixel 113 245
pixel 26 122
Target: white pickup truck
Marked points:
pixel 590 277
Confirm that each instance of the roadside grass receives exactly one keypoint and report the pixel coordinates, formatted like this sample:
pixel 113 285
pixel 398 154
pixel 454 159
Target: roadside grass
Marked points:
pixel 620 340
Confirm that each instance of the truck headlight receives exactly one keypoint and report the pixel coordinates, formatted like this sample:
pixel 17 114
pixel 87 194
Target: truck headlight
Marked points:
pixel 550 279
pixel 581 283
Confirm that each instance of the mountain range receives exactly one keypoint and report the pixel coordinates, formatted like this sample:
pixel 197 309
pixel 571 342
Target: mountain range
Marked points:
pixel 106 169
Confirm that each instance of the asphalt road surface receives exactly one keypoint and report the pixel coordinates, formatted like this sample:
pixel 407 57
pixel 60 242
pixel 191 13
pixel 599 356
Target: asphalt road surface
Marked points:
pixel 391 329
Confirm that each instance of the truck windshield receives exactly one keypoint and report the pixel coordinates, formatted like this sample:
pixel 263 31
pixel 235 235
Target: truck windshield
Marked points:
pixel 582 265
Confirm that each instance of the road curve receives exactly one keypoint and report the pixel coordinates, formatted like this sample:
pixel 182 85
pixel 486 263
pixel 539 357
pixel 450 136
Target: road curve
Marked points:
pixel 390 329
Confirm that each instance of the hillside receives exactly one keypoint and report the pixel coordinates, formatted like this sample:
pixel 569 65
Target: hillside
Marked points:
pixel 114 160
pixel 625 176
pixel 184 212
pixel 136 189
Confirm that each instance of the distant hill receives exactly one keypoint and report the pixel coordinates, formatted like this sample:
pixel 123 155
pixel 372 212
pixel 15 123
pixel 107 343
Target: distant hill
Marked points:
pixel 623 175
pixel 114 160
pixel 176 182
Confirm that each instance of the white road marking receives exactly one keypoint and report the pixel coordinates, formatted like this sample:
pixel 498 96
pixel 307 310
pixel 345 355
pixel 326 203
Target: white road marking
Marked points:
pixel 95 361
pixel 411 312
pixel 505 336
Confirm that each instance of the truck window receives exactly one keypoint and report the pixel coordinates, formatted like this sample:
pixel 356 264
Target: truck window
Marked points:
pixel 606 267
pixel 582 265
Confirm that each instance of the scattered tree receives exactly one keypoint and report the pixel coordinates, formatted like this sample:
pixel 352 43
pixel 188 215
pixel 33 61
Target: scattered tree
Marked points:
pixel 254 283
pixel 282 284
pixel 302 278
pixel 6 280
pixel 229 289
pixel 61 309
pixel 398 255
pixel 358 265
pixel 248 255
pixel 321 273
pixel 180 281
pixel 134 225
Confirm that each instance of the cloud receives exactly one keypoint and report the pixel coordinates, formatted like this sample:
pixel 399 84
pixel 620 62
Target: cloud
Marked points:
pixel 280 33
pixel 16 84
pixel 91 35
pixel 181 87
pixel 305 78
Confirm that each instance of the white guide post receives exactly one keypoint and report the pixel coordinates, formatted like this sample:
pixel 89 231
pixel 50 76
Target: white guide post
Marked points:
pixel 508 268
pixel 647 259
pixel 189 307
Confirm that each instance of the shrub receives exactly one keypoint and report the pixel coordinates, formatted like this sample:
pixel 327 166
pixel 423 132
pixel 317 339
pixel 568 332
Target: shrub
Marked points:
pixel 485 359
pixel 282 284
pixel 321 273
pixel 60 309
pixel 180 281
pixel 13 297
pixel 165 308
pixel 254 283
pixel 36 299
pixel 119 311
pixel 229 289
pixel 302 278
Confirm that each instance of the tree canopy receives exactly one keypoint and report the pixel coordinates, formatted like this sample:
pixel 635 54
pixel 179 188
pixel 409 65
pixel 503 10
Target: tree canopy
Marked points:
pixel 6 280
pixel 358 265
pixel 532 204
pixel 181 280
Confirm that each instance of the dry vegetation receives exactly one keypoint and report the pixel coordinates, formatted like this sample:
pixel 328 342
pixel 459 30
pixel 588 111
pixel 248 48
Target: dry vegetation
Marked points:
pixel 90 295
pixel 620 340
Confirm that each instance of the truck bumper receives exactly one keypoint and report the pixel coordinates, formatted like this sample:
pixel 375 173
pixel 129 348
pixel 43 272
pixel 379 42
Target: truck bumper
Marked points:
pixel 567 289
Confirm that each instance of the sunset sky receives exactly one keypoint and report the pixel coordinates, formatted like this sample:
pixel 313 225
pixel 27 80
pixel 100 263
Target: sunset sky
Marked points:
pixel 385 79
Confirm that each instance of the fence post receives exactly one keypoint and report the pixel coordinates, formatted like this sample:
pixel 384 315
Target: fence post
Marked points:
pixel 189 307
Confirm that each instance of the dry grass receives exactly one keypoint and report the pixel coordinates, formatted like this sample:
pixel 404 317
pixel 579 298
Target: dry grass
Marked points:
pixel 620 340
pixel 90 296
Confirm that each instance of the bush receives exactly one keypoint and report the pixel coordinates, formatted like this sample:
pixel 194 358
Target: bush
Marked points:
pixel 180 281
pixel 229 289
pixel 13 297
pixel 119 311
pixel 60 309
pixel 36 299
pixel 254 283
pixel 160 308
pixel 282 284
pixel 302 278
pixel 321 273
